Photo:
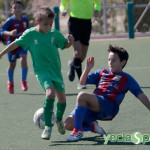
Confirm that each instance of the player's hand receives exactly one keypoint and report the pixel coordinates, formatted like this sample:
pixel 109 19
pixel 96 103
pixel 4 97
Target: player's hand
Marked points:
pixel 13 32
pixel 90 62
pixel 70 41
pixel 96 14
pixel 70 38
pixel 64 12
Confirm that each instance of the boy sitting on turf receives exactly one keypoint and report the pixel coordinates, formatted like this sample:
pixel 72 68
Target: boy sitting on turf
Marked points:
pixel 111 86
pixel 43 43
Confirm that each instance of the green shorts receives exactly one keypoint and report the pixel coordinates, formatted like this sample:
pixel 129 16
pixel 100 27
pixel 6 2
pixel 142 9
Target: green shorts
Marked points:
pixel 46 82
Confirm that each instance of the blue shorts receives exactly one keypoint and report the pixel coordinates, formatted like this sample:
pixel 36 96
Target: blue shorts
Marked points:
pixel 13 55
pixel 108 111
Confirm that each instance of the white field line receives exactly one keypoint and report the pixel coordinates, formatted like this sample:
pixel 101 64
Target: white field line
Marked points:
pixel 136 68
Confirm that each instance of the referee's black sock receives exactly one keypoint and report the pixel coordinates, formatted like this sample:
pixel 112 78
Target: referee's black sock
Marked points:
pixel 77 66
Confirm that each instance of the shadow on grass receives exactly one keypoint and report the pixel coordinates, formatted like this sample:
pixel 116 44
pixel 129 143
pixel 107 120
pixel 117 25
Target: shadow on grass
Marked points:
pixel 145 87
pixel 30 93
pixel 71 94
pixel 97 140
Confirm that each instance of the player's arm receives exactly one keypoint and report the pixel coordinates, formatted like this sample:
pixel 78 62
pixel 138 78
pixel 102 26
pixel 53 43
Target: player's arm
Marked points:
pixel 10 33
pixel 63 7
pixel 144 99
pixel 6 30
pixel 97 7
pixel 88 67
pixel 70 41
pixel 9 48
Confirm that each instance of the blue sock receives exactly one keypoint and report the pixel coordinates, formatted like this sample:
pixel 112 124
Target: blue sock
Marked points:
pixel 24 72
pixel 79 116
pixel 87 127
pixel 10 74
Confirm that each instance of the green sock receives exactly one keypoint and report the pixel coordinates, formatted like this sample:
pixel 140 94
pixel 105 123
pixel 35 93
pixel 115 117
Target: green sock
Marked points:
pixel 48 111
pixel 60 109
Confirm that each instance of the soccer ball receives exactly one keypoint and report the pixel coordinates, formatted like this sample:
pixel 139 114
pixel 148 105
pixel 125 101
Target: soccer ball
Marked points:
pixel 38 118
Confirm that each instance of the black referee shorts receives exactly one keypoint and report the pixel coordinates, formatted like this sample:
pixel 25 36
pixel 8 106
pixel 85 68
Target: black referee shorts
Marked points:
pixel 80 29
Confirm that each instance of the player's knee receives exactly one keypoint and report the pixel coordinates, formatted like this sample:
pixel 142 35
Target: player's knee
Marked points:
pixel 12 66
pixel 69 123
pixel 23 62
pixel 81 96
pixel 62 99
pixel 50 93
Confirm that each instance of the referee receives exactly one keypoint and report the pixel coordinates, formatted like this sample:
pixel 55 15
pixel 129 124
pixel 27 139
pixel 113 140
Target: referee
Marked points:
pixel 79 25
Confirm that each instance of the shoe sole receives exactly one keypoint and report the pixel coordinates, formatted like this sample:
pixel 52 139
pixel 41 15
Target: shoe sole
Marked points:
pixel 11 92
pixel 45 138
pixel 80 88
pixel 104 133
pixel 24 89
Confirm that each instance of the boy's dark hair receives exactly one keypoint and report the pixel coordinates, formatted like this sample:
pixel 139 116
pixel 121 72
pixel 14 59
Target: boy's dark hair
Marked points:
pixel 122 53
pixel 44 13
pixel 17 2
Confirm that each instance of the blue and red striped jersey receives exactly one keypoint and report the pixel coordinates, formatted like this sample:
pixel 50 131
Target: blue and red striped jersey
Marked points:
pixel 113 86
pixel 13 23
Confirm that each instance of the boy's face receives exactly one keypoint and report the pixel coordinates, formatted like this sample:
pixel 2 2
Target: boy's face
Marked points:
pixel 16 9
pixel 45 25
pixel 114 63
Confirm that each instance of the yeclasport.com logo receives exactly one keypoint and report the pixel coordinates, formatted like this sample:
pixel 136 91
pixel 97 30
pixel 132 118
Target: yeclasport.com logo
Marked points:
pixel 136 138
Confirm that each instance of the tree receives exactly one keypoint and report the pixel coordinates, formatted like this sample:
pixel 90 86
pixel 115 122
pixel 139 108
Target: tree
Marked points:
pixel 145 23
pixel 111 14
pixel 26 5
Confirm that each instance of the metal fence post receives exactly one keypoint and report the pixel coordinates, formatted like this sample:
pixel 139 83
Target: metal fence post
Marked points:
pixel 130 6
pixel 105 17
pixel 6 8
pixel 56 10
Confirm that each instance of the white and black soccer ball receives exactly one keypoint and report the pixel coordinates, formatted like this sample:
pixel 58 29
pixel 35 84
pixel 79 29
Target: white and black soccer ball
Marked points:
pixel 38 118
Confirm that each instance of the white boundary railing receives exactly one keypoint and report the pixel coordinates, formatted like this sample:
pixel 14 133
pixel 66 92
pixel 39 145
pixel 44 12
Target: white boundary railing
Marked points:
pixel 104 7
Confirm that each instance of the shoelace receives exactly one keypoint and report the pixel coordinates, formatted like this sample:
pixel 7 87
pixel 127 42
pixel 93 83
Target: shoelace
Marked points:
pixel 47 130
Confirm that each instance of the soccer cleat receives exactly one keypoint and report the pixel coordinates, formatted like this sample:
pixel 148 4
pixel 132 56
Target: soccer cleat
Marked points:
pixel 71 73
pixel 24 86
pixel 46 133
pixel 60 126
pixel 10 87
pixel 75 135
pixel 78 70
pixel 80 87
pixel 97 129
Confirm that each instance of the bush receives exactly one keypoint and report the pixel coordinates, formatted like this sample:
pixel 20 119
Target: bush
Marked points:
pixel 144 25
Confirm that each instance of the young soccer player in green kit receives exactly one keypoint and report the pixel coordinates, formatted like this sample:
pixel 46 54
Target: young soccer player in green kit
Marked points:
pixel 43 42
